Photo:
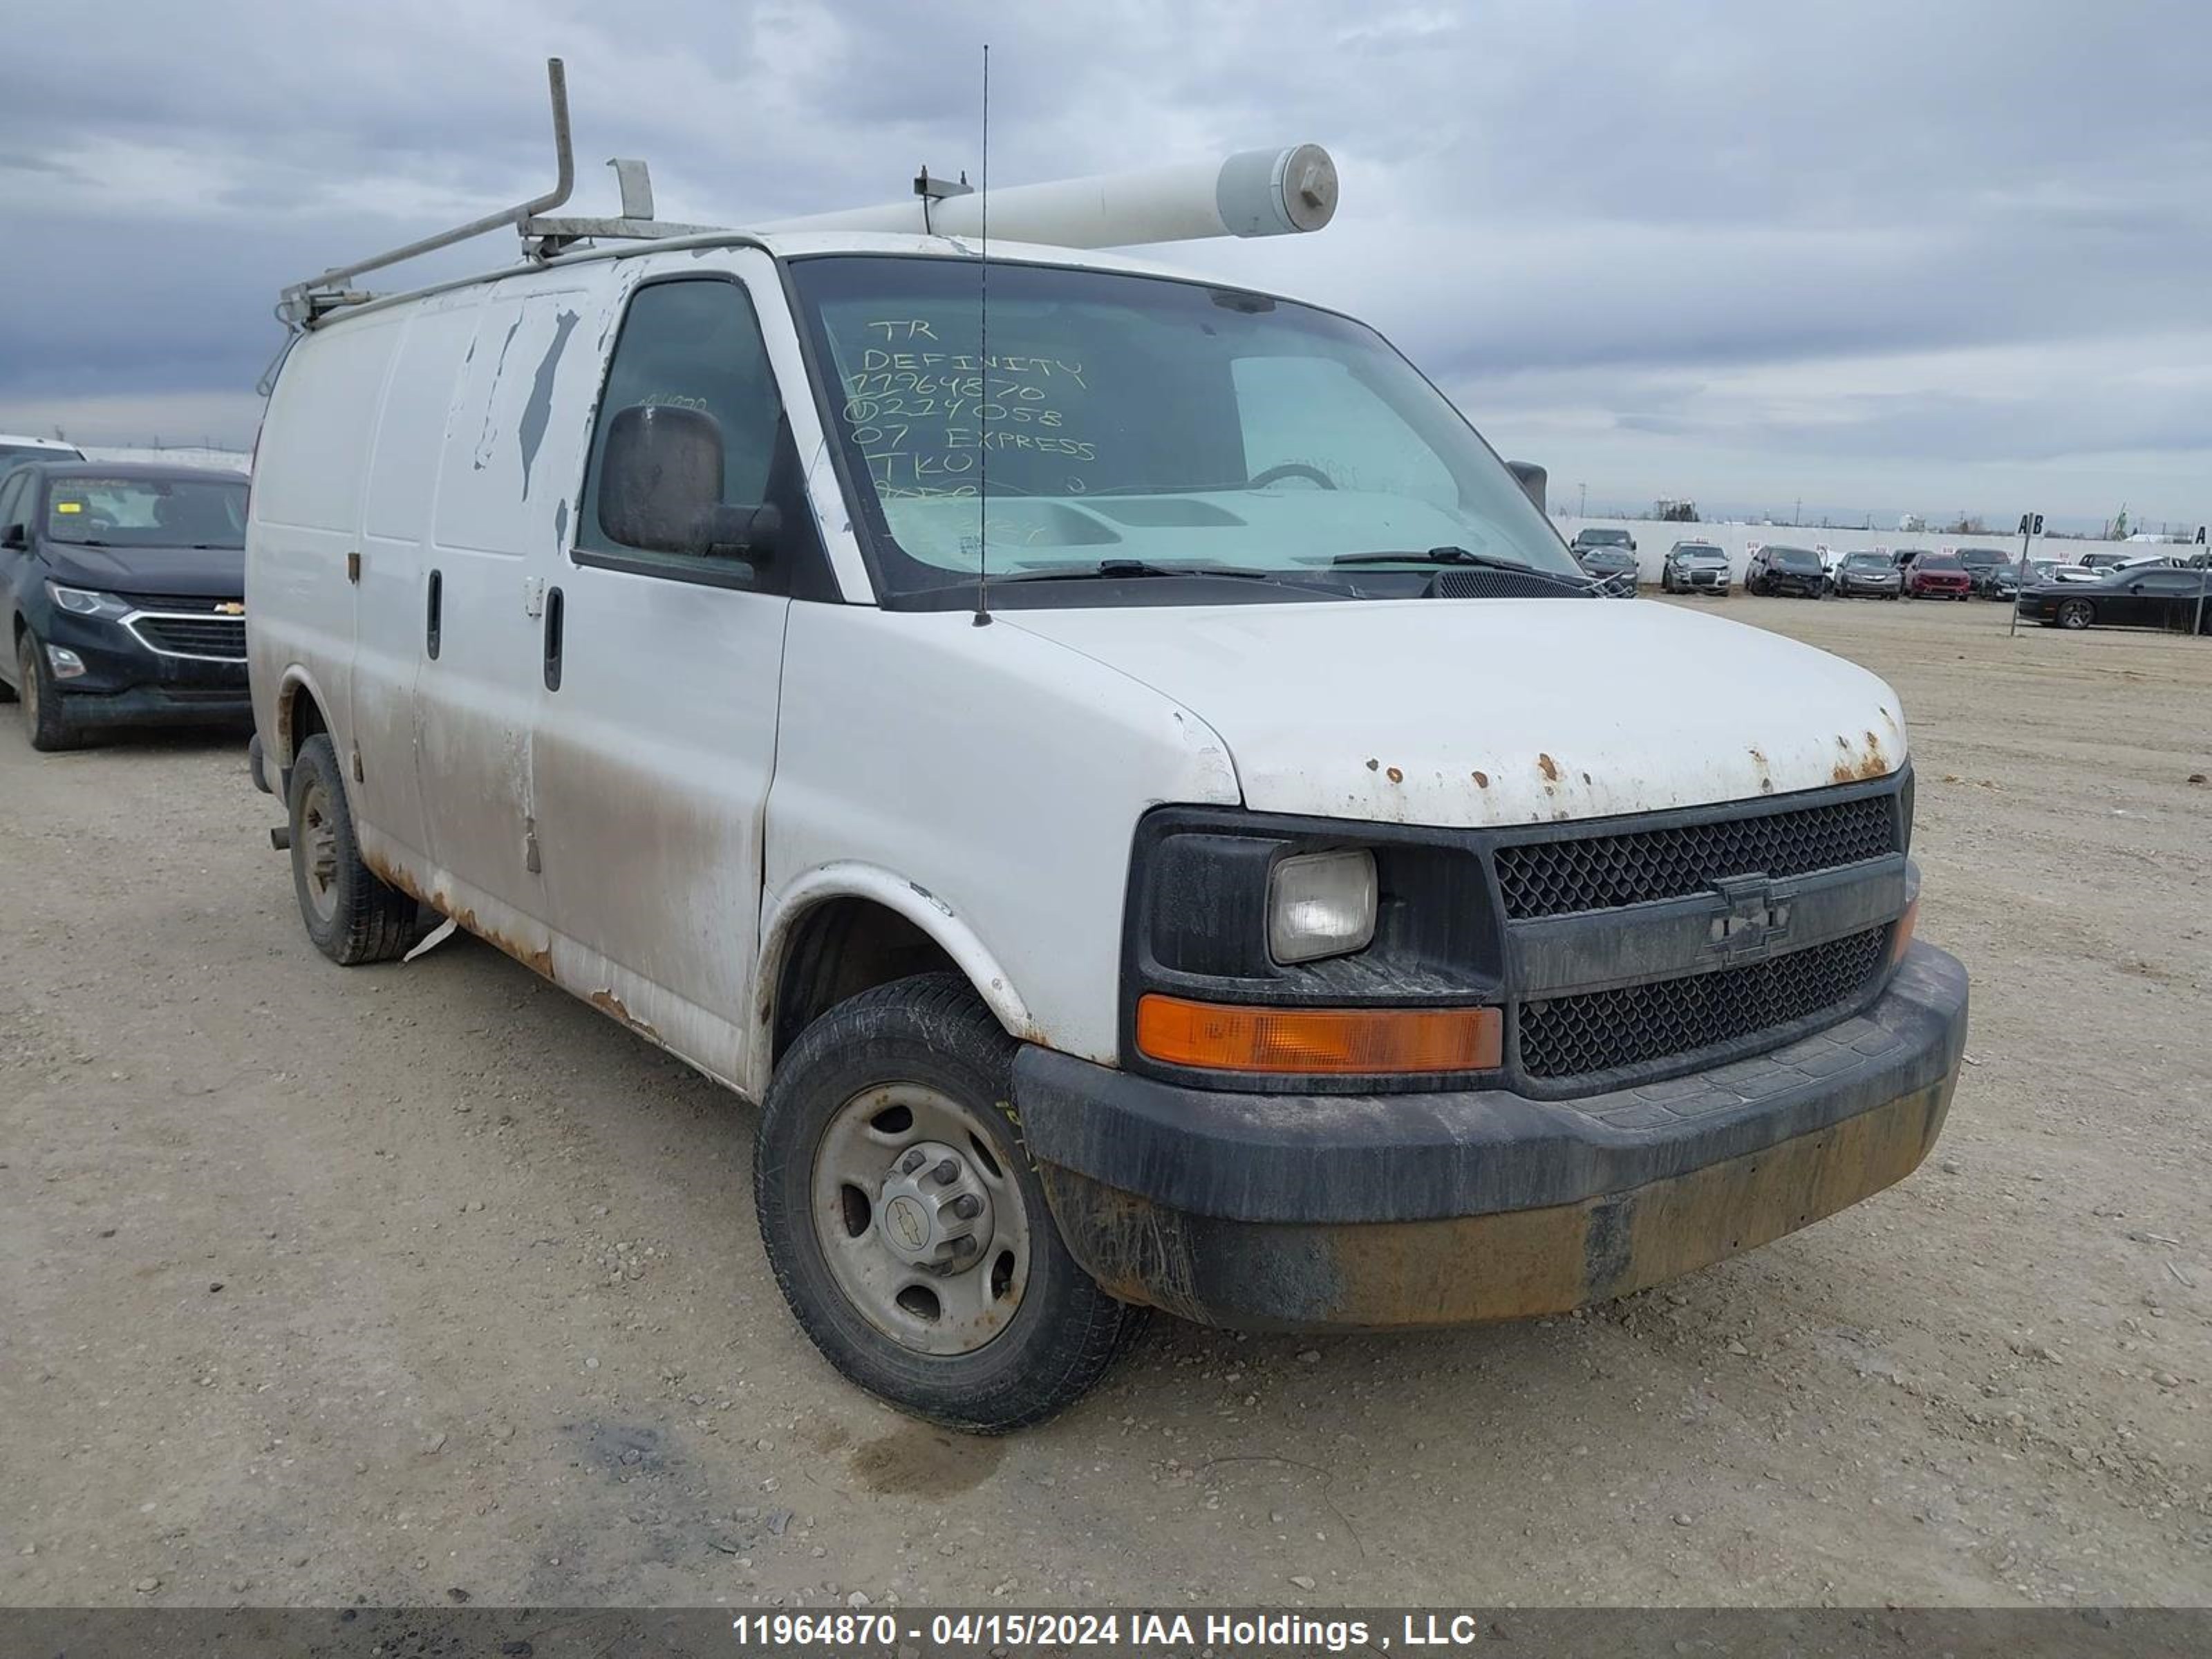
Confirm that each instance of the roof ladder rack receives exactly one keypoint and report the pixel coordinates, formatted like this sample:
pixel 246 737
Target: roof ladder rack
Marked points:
pixel 304 304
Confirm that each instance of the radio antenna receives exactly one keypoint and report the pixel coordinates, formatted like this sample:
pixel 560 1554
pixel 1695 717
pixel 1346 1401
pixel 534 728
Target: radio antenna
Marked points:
pixel 983 352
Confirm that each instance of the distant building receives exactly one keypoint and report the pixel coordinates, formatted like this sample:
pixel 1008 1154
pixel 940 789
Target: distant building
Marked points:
pixel 1913 521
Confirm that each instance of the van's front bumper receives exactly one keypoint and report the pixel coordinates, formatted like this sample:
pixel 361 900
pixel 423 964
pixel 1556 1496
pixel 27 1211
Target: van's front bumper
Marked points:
pixel 1336 1212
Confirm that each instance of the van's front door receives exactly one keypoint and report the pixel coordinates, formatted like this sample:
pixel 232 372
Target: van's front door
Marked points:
pixel 655 736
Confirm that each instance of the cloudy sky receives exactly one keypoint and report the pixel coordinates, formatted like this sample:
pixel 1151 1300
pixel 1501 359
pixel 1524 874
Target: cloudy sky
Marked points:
pixel 1944 256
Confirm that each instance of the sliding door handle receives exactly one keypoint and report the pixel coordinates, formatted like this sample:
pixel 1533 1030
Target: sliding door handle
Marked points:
pixel 554 606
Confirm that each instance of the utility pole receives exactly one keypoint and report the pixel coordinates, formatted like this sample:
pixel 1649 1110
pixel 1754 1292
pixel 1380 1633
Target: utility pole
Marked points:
pixel 1582 501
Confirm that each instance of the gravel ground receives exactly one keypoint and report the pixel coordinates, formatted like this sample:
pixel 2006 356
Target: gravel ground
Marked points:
pixel 427 1282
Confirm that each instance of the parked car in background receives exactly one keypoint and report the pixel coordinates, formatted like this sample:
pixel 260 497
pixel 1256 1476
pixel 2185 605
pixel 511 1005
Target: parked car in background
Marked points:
pixel 125 589
pixel 1614 566
pixel 1600 536
pixel 2000 582
pixel 1939 577
pixel 1980 563
pixel 1866 575
pixel 2165 597
pixel 1695 567
pixel 14 449
pixel 1786 570
pixel 2106 561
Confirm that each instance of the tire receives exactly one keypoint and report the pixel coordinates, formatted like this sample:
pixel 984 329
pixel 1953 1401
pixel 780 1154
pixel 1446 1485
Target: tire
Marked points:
pixel 2075 615
pixel 46 715
pixel 1036 1338
pixel 349 912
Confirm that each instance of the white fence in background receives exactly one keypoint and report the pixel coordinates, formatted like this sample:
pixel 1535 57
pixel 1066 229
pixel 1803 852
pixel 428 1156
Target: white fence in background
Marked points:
pixel 234 459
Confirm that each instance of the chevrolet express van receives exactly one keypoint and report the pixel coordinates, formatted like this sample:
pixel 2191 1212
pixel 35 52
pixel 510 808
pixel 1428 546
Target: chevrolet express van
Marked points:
pixel 1117 772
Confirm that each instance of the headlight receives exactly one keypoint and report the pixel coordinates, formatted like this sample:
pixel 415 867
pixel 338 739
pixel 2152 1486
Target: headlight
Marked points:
pixel 1320 904
pixel 86 603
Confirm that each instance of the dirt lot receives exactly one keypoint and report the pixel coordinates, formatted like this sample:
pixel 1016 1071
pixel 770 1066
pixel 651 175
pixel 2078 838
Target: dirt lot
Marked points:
pixel 404 1281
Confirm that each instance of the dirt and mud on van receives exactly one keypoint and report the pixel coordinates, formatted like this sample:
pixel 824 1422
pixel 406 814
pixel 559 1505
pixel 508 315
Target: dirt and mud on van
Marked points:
pixel 1302 904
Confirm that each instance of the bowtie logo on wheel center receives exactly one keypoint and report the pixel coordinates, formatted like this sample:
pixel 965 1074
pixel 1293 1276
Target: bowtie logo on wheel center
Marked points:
pixel 934 1211
pixel 905 1218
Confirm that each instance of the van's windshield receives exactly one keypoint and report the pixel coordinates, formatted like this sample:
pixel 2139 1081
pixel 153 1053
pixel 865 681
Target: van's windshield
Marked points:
pixel 1125 421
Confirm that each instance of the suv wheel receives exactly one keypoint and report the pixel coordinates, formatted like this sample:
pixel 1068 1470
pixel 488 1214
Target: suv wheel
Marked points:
pixel 906 1224
pixel 351 915
pixel 2076 614
pixel 46 716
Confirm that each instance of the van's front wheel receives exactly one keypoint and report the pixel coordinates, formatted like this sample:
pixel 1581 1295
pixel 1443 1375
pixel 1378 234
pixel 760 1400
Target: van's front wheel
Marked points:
pixel 905 1223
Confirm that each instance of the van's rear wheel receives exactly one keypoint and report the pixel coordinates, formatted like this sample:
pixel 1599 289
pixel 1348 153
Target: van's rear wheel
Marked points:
pixel 351 915
pixel 906 1225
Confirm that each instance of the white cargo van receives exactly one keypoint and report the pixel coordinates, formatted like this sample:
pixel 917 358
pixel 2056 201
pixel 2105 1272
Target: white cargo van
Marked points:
pixel 1248 873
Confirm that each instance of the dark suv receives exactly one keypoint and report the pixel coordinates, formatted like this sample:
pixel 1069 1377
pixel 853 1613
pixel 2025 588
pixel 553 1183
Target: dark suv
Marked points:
pixel 124 591
pixel 1983 566
pixel 1786 570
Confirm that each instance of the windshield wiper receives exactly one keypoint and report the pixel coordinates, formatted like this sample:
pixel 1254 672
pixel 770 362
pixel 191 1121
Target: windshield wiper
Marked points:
pixel 1465 556
pixel 1113 569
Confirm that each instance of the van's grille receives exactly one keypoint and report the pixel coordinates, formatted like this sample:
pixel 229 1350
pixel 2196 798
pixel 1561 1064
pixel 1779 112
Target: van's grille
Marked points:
pixel 195 636
pixel 1601 873
pixel 192 602
pixel 1636 1024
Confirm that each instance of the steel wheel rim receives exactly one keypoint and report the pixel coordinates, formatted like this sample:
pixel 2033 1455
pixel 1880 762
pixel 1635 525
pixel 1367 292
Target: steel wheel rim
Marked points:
pixel 961 1303
pixel 318 842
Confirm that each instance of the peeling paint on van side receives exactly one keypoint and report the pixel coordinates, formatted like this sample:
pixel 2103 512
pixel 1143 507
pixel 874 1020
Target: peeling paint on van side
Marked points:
pixel 539 408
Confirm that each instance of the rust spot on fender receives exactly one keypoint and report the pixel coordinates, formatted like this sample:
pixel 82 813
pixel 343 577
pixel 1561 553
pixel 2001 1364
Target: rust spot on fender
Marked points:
pixel 1481 780
pixel 608 1003
pixel 1857 765
pixel 1549 767
pixel 1395 775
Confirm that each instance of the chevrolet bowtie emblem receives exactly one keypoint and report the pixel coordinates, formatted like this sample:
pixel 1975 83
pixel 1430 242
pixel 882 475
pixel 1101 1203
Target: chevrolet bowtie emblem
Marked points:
pixel 230 608
pixel 1755 917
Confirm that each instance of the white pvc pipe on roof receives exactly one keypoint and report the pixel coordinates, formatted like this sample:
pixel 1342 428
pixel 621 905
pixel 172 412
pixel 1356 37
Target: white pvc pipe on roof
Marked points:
pixel 1255 192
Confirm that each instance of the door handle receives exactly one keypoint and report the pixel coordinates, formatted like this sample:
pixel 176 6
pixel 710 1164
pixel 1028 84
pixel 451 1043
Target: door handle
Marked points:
pixel 554 606
pixel 432 625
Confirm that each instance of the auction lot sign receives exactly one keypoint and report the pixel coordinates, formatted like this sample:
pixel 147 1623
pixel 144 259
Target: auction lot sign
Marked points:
pixel 386 1632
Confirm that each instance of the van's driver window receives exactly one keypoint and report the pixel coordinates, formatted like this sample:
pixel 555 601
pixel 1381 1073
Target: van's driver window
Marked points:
pixel 692 344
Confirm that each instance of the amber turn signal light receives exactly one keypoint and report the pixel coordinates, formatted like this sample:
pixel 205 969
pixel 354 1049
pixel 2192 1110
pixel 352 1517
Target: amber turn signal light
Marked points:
pixel 1900 941
pixel 1226 1037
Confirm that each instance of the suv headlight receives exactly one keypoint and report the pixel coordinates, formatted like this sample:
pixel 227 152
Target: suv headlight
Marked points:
pixel 1320 904
pixel 86 603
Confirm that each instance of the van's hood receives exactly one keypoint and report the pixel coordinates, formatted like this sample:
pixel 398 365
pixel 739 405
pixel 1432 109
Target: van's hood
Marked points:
pixel 1497 711
pixel 213 573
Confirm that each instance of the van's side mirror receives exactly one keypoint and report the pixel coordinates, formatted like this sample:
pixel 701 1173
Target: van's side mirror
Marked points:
pixel 1534 481
pixel 15 537
pixel 660 487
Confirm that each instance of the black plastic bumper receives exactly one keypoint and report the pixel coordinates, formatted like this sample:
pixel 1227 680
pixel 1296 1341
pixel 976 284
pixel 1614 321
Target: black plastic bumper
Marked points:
pixel 158 705
pixel 1345 1212
pixel 125 683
